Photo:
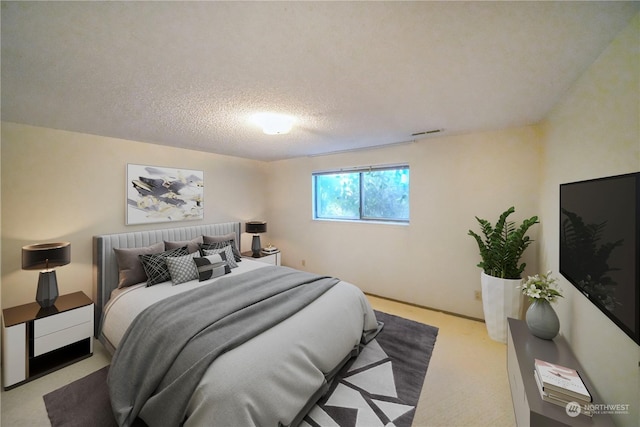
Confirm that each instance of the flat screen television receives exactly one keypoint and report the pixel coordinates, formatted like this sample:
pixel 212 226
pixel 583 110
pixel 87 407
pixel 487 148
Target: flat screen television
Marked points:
pixel 600 245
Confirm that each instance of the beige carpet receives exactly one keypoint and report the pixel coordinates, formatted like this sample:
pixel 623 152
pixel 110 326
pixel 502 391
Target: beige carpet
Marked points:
pixel 466 383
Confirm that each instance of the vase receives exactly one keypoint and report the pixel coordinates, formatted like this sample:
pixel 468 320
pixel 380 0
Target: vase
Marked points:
pixel 542 319
pixel 501 299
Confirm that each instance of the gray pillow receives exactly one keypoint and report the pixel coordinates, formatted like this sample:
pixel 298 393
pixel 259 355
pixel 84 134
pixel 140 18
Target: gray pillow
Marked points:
pixel 227 251
pixel 182 268
pixel 192 245
pixel 130 269
pixel 223 240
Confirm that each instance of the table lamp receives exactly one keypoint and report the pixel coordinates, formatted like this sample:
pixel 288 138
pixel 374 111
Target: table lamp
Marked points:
pixel 255 228
pixel 44 257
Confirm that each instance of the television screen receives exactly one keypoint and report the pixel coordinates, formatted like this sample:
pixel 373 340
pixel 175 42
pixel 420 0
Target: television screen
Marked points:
pixel 600 245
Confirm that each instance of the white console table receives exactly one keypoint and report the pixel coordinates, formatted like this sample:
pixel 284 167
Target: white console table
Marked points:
pixel 529 408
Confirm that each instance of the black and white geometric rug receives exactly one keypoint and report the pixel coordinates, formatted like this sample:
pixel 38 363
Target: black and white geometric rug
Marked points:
pixel 381 387
pixel 378 388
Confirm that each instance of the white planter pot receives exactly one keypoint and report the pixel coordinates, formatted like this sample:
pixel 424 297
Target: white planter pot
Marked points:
pixel 501 298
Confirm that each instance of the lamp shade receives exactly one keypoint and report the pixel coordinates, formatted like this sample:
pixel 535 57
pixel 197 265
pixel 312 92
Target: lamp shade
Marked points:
pixel 256 227
pixel 42 256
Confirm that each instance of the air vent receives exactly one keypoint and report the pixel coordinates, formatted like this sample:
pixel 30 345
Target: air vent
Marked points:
pixel 427 132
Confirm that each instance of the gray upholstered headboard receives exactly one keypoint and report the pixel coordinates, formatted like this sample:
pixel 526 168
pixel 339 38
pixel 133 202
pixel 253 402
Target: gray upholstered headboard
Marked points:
pixel 106 266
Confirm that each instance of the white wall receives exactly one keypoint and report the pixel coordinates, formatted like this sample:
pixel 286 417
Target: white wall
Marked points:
pixel 431 261
pixel 69 186
pixel 595 132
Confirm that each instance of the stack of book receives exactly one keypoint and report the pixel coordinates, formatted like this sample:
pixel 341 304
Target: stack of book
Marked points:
pixel 561 386
pixel 270 250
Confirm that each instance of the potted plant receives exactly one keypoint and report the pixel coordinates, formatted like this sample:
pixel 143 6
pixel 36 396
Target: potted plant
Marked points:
pixel 500 251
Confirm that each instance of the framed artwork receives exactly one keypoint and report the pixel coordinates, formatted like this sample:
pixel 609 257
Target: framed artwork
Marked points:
pixel 161 194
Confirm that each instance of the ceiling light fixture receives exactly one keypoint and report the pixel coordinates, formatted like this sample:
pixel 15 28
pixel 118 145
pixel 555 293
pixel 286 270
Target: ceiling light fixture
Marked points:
pixel 273 123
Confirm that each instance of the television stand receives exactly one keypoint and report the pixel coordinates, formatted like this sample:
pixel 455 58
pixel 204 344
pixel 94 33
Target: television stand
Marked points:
pixel 529 408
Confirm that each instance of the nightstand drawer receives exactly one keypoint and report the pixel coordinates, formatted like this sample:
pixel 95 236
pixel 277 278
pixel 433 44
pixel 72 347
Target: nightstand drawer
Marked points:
pixel 56 340
pixel 272 258
pixel 268 259
pixel 61 321
pixel 37 341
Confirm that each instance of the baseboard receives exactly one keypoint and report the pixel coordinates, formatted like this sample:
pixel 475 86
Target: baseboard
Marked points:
pixel 427 308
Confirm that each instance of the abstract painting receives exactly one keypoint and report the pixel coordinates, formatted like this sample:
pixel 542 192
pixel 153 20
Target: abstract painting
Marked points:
pixel 162 194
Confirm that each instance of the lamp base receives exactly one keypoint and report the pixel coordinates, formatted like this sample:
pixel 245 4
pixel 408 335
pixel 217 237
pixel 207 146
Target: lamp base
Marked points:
pixel 256 246
pixel 47 292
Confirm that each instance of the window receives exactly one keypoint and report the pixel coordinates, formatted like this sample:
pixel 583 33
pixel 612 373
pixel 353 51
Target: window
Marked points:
pixel 362 194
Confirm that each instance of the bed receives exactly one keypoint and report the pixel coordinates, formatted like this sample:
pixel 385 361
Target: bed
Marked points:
pixel 270 378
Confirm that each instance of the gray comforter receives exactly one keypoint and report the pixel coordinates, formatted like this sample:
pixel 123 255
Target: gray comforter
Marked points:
pixel 166 351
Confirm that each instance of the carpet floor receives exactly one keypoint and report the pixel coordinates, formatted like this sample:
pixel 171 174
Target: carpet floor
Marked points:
pixel 379 387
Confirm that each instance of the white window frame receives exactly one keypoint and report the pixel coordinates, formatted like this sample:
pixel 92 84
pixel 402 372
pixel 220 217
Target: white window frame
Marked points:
pixel 360 170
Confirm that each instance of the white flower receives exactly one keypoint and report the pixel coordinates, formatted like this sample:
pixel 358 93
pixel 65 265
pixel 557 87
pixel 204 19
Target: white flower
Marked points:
pixel 537 287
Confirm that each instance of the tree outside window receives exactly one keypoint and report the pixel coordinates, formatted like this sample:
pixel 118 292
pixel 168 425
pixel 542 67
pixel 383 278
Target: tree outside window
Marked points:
pixel 371 194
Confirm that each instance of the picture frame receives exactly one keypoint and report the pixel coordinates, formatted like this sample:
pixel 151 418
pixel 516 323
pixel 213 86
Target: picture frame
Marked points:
pixel 163 194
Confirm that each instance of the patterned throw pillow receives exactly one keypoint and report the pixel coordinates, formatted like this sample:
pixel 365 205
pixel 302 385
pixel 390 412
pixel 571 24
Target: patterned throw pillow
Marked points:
pixel 208 250
pixel 212 266
pixel 182 268
pixel 217 242
pixel 155 265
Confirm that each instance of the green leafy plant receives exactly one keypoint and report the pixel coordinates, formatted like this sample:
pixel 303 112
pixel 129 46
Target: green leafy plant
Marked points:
pixel 503 245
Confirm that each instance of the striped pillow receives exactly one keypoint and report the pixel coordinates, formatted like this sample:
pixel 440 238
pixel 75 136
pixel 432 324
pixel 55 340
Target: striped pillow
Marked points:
pixel 155 265
pixel 216 242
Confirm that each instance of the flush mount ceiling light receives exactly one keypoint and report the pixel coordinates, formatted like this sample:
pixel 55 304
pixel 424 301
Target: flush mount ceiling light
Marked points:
pixel 273 123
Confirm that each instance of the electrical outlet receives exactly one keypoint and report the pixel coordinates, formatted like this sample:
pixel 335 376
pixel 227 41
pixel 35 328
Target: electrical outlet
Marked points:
pixel 478 295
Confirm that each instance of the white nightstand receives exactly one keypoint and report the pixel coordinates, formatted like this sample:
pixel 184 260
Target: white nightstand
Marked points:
pixel 37 341
pixel 274 258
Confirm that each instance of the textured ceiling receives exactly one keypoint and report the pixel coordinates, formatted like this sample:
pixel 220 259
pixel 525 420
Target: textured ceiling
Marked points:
pixel 355 74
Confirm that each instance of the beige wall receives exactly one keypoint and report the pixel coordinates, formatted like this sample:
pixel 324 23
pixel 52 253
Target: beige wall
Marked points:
pixel 431 261
pixel 60 185
pixel 594 132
